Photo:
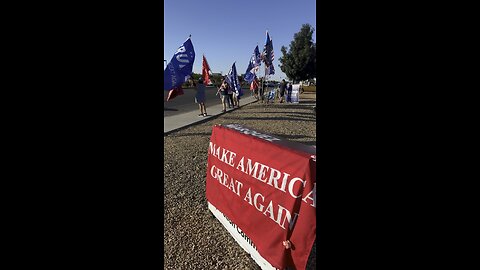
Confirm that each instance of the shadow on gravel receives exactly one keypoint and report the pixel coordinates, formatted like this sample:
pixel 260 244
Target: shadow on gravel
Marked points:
pixel 170 109
pixel 207 134
pixel 292 136
pixel 306 116
pixel 293 106
pixel 307 102
pixel 283 112
pixel 314 142
pixel 272 118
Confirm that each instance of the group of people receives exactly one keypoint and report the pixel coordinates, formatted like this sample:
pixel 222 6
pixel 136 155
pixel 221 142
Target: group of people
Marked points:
pixel 232 99
pixel 285 90
pixel 228 96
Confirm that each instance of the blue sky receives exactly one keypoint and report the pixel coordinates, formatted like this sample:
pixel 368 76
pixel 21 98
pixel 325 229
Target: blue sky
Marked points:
pixel 227 31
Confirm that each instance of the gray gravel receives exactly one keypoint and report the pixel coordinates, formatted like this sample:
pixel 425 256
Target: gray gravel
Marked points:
pixel 193 237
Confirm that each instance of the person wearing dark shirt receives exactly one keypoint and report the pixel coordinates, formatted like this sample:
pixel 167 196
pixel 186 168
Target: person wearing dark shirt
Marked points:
pixel 223 90
pixel 254 88
pixel 200 97
pixel 289 92
pixel 283 85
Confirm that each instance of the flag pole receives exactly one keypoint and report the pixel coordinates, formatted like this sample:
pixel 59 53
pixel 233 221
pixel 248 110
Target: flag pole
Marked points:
pixel 265 82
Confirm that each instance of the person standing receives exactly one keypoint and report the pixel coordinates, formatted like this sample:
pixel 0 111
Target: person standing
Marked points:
pixel 283 85
pixel 254 88
pixel 200 97
pixel 230 97
pixel 236 100
pixel 262 91
pixel 223 90
pixel 289 92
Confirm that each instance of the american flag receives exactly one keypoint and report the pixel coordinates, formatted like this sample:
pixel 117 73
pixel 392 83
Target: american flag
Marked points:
pixel 268 54
pixel 258 57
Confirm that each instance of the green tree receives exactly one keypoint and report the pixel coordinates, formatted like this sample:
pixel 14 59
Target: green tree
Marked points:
pixel 216 80
pixel 300 62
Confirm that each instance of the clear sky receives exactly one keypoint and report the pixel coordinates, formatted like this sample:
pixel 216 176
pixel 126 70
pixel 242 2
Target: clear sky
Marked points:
pixel 227 31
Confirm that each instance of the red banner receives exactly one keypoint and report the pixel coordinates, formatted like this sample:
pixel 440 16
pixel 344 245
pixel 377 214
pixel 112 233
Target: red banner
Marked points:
pixel 205 71
pixel 266 186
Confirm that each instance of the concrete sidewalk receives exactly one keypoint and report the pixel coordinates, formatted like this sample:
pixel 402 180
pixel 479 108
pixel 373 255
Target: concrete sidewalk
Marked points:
pixel 176 122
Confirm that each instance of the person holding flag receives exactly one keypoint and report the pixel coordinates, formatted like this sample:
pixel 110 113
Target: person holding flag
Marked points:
pixel 250 73
pixel 223 90
pixel 233 82
pixel 254 87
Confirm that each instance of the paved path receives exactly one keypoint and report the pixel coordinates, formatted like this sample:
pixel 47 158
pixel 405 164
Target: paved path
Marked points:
pixel 186 102
pixel 187 114
pixel 172 122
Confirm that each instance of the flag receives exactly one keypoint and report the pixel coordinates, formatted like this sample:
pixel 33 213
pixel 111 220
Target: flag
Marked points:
pixel 268 55
pixel 250 73
pixel 254 83
pixel 205 71
pixel 180 67
pixel 255 62
pixel 175 92
pixel 271 95
pixel 270 70
pixel 258 58
pixel 232 80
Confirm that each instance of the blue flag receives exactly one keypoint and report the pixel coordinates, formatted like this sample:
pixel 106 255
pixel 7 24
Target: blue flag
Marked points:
pixel 255 62
pixel 270 70
pixel 250 73
pixel 180 67
pixel 268 55
pixel 271 95
pixel 258 57
pixel 232 80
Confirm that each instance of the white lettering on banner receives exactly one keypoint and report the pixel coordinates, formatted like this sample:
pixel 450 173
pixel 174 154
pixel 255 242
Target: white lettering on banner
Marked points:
pixel 287 217
pixel 241 238
pixel 255 201
pixel 244 236
pixel 181 60
pixel 312 195
pixel 174 78
pixel 290 186
pixel 252 132
pixel 275 179
pixel 259 171
pixel 262 173
pixel 248 196
pixel 226 157
pixel 269 211
pixel 181 49
pixel 223 179
pixel 181 54
pixel 282 181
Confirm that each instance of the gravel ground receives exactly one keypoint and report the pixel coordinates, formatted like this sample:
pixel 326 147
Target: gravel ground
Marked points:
pixel 193 237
